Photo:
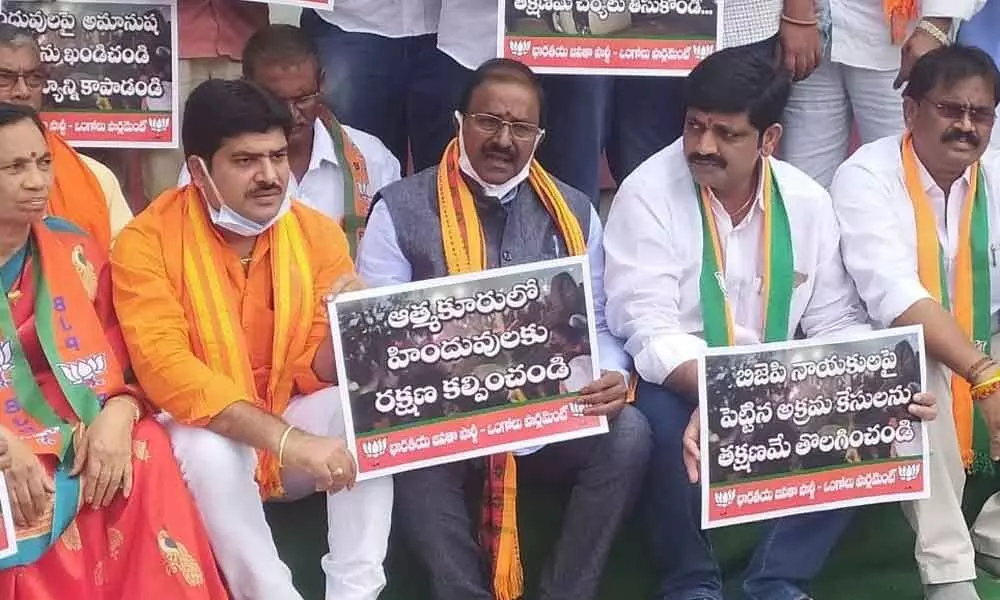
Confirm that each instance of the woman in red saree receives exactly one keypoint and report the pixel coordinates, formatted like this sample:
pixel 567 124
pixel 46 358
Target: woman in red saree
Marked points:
pixel 101 510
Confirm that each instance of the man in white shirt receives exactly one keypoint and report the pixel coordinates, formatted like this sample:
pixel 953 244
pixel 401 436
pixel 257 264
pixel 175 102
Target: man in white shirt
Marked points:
pixel 670 294
pixel 335 169
pixel 521 217
pixel 901 202
pixel 385 74
pixel 866 57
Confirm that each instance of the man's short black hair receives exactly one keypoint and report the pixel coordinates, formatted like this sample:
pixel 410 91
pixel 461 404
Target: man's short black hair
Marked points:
pixel 735 81
pixel 503 70
pixel 947 66
pixel 220 109
pixel 277 44
pixel 11 114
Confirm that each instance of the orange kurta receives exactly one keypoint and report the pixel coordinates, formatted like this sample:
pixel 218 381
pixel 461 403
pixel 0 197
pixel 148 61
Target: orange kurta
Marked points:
pixel 161 329
pixel 76 195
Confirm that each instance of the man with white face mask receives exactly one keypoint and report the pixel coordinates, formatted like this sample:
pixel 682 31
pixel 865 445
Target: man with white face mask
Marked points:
pixel 520 214
pixel 220 289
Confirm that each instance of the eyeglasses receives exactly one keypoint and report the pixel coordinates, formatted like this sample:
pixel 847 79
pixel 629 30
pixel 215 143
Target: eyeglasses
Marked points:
pixel 34 79
pixel 304 103
pixel 491 125
pixel 980 115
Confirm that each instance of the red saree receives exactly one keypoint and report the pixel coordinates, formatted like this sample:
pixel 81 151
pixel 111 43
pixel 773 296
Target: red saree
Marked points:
pixel 151 545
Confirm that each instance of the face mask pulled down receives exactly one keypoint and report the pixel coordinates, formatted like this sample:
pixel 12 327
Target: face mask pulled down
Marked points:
pixel 491 190
pixel 230 220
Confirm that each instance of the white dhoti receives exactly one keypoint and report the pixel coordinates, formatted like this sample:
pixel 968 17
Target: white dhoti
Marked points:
pixel 220 475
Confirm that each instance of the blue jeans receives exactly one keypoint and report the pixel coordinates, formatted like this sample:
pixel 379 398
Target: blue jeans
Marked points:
pixel 401 90
pixel 791 551
pixel 629 118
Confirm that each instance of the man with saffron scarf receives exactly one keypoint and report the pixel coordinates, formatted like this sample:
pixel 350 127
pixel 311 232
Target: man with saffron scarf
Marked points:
pixel 83 191
pixel 99 503
pixel 918 215
pixel 221 285
pixel 712 242
pixel 519 214
pixel 334 168
pixel 868 49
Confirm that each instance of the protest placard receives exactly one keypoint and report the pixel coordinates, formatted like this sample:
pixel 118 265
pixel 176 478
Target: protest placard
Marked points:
pixel 8 535
pixel 805 426
pixel 448 369
pixel 609 37
pixel 109 69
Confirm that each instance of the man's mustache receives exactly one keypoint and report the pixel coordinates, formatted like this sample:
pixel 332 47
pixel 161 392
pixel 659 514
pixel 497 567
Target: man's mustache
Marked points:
pixel 957 135
pixel 494 150
pixel 713 160
pixel 265 190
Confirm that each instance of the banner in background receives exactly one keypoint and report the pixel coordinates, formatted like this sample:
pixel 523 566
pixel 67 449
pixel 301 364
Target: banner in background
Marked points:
pixel 609 37
pixel 448 369
pixel 108 72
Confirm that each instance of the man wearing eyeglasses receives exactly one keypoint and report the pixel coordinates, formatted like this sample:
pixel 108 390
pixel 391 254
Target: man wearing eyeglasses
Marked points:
pixel 84 191
pixel 920 226
pixel 334 168
pixel 519 214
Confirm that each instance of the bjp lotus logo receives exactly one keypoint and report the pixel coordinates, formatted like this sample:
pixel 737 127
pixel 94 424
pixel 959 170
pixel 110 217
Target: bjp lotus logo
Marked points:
pixel 724 498
pixel 6 362
pixel 908 472
pixel 86 370
pixel 520 48
pixel 576 409
pixel 701 51
pixel 375 448
pixel 158 124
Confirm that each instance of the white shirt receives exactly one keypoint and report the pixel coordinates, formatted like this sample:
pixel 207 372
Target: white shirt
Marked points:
pixel 653 247
pixel 387 18
pixel 747 22
pixel 322 185
pixel 878 228
pixel 468 31
pixel 861 37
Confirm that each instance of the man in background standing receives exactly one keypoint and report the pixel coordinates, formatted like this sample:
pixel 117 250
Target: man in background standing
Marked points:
pixel 211 34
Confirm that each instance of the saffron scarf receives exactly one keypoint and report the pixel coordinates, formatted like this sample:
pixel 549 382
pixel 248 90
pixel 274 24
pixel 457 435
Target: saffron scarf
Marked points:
pixel 465 252
pixel 971 304
pixel 778 276
pixel 214 311
pixel 899 14
pixel 76 195
pixel 357 187
pixel 82 362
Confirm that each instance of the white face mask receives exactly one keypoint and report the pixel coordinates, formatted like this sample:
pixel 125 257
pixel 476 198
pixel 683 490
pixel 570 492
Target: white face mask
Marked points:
pixel 491 190
pixel 232 221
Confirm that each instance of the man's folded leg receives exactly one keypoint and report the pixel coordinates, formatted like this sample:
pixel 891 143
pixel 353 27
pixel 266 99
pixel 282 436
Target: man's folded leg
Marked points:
pixel 604 474
pixel 358 520
pixel 682 552
pixel 220 474
pixel 434 516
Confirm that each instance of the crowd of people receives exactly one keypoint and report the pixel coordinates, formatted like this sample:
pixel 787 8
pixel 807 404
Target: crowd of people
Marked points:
pixel 167 374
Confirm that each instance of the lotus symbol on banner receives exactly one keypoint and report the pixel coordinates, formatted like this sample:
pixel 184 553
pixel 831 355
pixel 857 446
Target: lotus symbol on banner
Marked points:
pixel 375 448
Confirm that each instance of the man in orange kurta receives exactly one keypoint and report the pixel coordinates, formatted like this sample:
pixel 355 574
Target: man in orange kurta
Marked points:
pixel 220 288
pixel 83 191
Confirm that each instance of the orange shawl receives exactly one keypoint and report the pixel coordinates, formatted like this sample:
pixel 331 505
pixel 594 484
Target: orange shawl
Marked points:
pixel 213 309
pixel 76 194
pixel 899 14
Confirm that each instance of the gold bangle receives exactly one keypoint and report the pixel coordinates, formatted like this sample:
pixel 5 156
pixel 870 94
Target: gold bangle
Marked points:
pixel 801 22
pixel 281 445
pixel 934 31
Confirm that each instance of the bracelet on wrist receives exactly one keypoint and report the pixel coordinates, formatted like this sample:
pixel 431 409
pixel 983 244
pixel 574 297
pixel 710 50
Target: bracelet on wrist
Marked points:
pixel 986 388
pixel 281 445
pixel 800 22
pixel 979 367
pixel 934 31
